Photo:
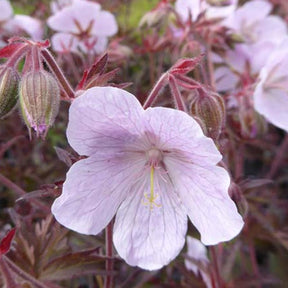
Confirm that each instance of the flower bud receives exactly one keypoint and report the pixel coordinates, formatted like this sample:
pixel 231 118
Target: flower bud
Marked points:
pixel 210 108
pixel 9 79
pixel 39 99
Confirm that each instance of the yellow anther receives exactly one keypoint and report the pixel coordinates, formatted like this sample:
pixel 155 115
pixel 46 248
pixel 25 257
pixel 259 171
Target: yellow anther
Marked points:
pixel 151 200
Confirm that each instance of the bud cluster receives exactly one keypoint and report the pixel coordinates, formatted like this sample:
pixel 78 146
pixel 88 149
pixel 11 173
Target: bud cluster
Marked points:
pixel 37 89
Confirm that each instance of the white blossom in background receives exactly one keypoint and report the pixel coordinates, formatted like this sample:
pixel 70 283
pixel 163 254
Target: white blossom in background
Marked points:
pixel 271 93
pixel 18 24
pixel 82 26
pixel 254 24
pixel 194 7
pixel 197 260
pixel 260 32
pixel 151 168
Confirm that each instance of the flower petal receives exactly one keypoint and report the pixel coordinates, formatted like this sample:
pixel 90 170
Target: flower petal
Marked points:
pixel 104 118
pixel 273 105
pixel 64 43
pixel 90 199
pixel 105 25
pixel 6 10
pixel 30 25
pixel 270 96
pixel 150 238
pixel 177 132
pixel 204 192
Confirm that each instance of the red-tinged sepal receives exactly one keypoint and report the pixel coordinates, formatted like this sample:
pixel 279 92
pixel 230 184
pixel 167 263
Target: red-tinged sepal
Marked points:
pixel 185 65
pixel 10 49
pixel 5 243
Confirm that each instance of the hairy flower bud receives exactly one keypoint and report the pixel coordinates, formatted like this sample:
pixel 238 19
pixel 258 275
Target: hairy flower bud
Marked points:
pixel 39 99
pixel 9 79
pixel 210 108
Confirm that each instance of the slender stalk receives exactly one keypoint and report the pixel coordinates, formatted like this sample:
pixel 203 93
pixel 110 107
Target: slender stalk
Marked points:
pixel 180 105
pixel 278 159
pixel 254 264
pixel 21 273
pixel 20 192
pixel 8 144
pixel 36 60
pixel 8 277
pixel 155 91
pixel 17 55
pixel 58 73
pixel 109 254
pixel 210 65
pixel 11 185
pixel 152 68
pixel 219 282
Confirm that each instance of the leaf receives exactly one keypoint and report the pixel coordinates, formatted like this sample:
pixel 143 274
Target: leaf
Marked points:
pixel 5 243
pixel 10 49
pixel 73 265
pixel 185 65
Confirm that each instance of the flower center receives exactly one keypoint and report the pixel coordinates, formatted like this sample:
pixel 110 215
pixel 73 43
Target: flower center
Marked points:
pixel 154 158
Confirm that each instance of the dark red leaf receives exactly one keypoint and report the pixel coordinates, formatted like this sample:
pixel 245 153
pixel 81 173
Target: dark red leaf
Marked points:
pixel 183 66
pixel 6 242
pixel 98 67
pixel 8 50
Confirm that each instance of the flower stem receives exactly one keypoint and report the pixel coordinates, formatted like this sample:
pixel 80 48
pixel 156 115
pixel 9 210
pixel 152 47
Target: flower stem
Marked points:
pixel 11 185
pixel 180 105
pixel 17 55
pixel 278 160
pixel 155 91
pixel 109 254
pixel 8 277
pixel 21 273
pixel 58 73
pixel 219 283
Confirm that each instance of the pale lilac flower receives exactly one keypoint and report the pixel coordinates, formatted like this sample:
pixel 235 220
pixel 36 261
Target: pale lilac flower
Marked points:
pixel 6 11
pixel 151 168
pixel 19 24
pixel 84 24
pixel 197 254
pixel 24 23
pixel 254 24
pixel 271 93
pixel 194 7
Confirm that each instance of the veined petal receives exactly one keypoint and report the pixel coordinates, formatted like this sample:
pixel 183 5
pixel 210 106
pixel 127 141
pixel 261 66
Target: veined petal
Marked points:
pixel 177 132
pixel 204 192
pixel 90 199
pixel 150 238
pixel 104 118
